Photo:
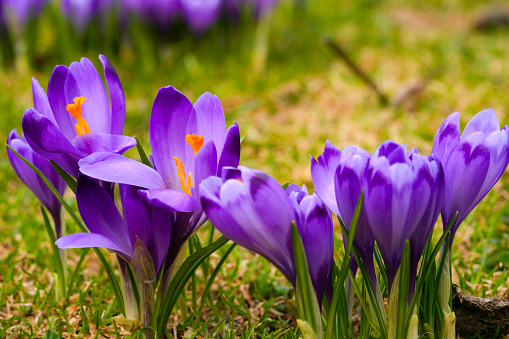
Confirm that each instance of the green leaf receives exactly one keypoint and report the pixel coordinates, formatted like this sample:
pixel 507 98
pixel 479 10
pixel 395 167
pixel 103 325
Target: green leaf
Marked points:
pixel 143 155
pixel 179 282
pixel 307 304
pixel 70 181
pixel 107 267
pixel 402 291
pixel 57 260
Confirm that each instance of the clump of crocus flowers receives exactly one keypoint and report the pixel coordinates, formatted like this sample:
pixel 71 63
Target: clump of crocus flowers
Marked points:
pixel 146 212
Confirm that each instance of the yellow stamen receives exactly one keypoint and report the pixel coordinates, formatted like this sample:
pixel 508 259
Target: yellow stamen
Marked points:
pixel 75 111
pixel 474 132
pixel 186 186
pixel 195 141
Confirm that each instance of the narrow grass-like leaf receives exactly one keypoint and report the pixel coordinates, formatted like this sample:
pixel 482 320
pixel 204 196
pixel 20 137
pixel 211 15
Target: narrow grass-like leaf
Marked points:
pixel 362 301
pixel 178 283
pixel 424 270
pixel 211 279
pixel 70 181
pixel 404 282
pixel 107 267
pixel 307 303
pixel 143 156
pixel 57 260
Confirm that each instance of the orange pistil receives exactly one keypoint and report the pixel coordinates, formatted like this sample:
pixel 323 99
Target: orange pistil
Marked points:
pixel 75 111
pixel 195 141
pixel 186 186
pixel 474 132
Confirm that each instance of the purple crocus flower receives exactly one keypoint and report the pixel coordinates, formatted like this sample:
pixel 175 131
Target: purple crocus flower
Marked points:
pixel 200 14
pixel 111 230
pixel 252 209
pixel 95 126
pixel 339 179
pixel 33 181
pixel 472 162
pixel 398 192
pixel 80 13
pixel 22 10
pixel 189 144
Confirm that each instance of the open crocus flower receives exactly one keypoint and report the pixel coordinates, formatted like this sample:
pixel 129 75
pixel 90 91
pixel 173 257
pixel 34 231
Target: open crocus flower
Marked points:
pixel 189 144
pixel 398 192
pixel 33 181
pixel 75 118
pixel 339 179
pixel 472 162
pixel 111 230
pixel 252 209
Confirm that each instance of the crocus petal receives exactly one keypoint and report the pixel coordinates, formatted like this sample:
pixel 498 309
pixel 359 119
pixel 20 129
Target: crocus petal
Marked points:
pixel 85 240
pixel 205 164
pixel 100 213
pixel 56 97
pixel 230 155
pixel 485 121
pixel 41 103
pixel 169 200
pixel 83 80
pixel 119 169
pixel 89 143
pixel 394 152
pixel 447 136
pixel 161 232
pixel 322 171
pixel 168 126
pixel 210 121
pixel 46 139
pixel 116 96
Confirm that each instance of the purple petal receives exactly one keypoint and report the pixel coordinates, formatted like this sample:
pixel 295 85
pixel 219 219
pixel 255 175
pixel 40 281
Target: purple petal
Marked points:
pixel 101 142
pixel 83 80
pixel 116 96
pixel 84 240
pixel 230 155
pixel 117 168
pixel 100 214
pixel 322 173
pixel 205 164
pixel 47 140
pixel 56 96
pixel 210 121
pixel 168 126
pixel 485 121
pixel 394 152
pixel 41 103
pixel 447 137
pixel 200 14
pixel 170 200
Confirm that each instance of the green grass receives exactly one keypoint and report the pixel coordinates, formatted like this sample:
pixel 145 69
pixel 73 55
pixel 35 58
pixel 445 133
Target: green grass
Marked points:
pixel 304 96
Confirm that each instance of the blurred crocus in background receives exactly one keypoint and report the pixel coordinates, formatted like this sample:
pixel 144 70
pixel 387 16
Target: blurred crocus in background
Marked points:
pixel 473 162
pixel 252 209
pixel 75 118
pixel 33 181
pixel 19 12
pixel 81 13
pixel 189 144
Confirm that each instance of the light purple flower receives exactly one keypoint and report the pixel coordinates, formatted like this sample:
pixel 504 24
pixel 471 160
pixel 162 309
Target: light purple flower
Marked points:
pixel 189 144
pixel 472 162
pixel 96 126
pixel 252 209
pixel 111 230
pixel 33 181
pixel 22 10
pixel 80 13
pixel 399 188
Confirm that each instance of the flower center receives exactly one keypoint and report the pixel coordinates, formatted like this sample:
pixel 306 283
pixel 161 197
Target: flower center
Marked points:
pixel 75 111
pixel 186 185
pixel 195 141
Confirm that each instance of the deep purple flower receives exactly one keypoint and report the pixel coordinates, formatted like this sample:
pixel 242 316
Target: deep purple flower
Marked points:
pixel 252 209
pixel 111 230
pixel 472 162
pixel 398 191
pixel 33 181
pixel 95 126
pixel 189 144
pixel 339 179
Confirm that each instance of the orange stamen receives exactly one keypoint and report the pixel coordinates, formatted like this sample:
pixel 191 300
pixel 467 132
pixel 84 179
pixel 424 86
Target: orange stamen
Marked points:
pixel 186 186
pixel 75 111
pixel 195 141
